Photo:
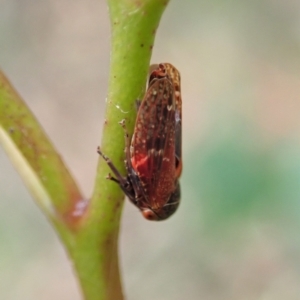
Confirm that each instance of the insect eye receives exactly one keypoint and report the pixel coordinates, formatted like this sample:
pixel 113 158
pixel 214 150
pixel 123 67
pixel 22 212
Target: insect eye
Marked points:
pixel 162 68
pixel 149 215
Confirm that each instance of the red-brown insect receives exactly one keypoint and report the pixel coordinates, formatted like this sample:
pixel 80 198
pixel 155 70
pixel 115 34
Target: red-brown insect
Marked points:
pixel 153 158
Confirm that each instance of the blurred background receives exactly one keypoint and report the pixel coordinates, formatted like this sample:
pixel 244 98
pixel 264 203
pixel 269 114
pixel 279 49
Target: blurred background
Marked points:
pixel 237 232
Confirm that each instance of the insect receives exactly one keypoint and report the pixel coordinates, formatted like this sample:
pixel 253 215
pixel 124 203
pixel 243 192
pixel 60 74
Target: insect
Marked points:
pixel 153 155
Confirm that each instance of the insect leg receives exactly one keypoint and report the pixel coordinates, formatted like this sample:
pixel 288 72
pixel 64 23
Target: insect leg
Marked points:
pixel 120 179
pixel 138 104
pixel 112 178
pixel 131 173
pixel 127 143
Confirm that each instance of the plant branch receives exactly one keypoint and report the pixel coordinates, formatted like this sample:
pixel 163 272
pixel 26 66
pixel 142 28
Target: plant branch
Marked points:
pixel 90 234
pixel 134 24
pixel 36 160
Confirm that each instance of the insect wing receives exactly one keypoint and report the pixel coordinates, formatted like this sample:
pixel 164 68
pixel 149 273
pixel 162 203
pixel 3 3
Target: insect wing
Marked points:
pixel 153 143
pixel 174 75
pixel 167 70
pixel 178 142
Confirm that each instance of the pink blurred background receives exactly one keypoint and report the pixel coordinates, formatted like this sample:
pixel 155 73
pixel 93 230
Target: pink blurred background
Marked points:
pixel 236 234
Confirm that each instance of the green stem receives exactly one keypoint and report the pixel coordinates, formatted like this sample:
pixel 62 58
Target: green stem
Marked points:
pixel 89 233
pixel 36 160
pixel 134 24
